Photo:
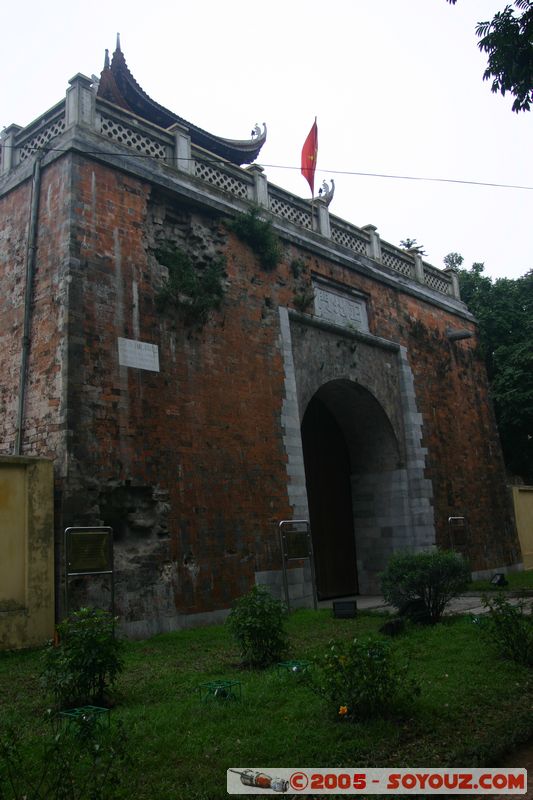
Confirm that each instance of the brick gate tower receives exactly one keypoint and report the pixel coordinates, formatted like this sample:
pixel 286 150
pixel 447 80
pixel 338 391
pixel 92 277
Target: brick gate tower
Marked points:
pixel 204 354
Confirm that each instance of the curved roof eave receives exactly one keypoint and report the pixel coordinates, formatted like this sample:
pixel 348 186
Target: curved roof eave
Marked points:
pixel 118 85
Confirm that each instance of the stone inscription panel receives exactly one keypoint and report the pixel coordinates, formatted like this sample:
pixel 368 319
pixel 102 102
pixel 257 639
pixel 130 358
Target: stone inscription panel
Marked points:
pixel 341 309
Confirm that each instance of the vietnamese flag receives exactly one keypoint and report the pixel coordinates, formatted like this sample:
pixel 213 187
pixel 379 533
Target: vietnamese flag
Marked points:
pixel 309 155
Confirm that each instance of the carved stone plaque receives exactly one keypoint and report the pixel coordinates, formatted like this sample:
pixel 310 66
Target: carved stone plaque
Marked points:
pixel 341 309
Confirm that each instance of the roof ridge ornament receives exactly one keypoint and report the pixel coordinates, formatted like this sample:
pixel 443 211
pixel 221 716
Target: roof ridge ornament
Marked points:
pixel 117 48
pixel 106 59
pixel 326 193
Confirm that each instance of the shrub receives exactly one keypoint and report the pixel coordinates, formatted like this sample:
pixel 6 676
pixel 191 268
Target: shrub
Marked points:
pixel 260 236
pixel 420 585
pixel 87 660
pixel 510 629
pixel 360 679
pixel 257 623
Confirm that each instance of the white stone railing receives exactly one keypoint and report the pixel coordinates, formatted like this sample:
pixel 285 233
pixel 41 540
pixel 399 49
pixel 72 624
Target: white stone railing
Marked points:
pixel 173 148
pixel 221 174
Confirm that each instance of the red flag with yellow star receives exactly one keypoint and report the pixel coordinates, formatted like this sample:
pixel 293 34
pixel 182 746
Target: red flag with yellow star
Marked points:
pixel 309 155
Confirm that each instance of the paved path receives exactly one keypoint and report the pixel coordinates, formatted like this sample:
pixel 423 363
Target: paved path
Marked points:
pixel 465 604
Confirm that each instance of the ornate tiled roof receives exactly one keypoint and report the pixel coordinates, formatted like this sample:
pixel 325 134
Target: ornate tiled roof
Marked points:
pixel 118 85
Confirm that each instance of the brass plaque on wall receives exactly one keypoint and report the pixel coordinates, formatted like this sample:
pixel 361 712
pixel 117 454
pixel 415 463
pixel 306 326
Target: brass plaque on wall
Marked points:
pixel 89 550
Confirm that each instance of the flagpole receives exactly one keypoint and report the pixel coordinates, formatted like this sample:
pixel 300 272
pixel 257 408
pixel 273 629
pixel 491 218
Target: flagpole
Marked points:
pixel 313 193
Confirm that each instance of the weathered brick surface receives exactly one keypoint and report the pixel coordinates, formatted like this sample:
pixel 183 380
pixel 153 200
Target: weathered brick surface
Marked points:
pixel 188 464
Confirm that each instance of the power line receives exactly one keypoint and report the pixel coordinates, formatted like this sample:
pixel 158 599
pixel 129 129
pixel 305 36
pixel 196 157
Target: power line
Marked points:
pixel 287 167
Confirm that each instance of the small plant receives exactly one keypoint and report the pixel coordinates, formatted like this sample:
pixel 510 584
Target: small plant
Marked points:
pixel 86 662
pixel 360 679
pixel 72 763
pixel 257 623
pixel 510 629
pixel 260 236
pixel 420 585
pixel 303 300
pixel 195 291
pixel 298 266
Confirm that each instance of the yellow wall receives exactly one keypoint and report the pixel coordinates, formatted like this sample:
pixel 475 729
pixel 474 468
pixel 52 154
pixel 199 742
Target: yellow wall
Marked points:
pixel 26 551
pixel 523 508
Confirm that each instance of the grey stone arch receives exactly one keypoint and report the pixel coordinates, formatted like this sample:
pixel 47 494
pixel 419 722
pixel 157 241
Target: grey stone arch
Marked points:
pixel 367 384
pixel 380 513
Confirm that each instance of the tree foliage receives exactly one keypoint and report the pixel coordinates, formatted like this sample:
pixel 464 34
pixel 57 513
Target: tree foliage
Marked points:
pixel 504 311
pixel 508 41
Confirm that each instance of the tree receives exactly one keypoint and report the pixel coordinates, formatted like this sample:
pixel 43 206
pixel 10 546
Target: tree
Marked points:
pixel 508 41
pixel 504 311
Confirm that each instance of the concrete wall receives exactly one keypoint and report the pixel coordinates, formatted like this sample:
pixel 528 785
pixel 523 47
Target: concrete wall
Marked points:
pixel 523 508
pixel 26 552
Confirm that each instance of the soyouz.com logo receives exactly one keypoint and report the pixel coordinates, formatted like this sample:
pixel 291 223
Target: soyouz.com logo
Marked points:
pixel 253 780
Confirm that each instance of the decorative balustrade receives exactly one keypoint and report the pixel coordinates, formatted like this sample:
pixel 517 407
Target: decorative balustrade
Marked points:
pixel 397 260
pixel 349 236
pixel 291 208
pixel 437 280
pixel 129 130
pixel 223 175
pixel 173 147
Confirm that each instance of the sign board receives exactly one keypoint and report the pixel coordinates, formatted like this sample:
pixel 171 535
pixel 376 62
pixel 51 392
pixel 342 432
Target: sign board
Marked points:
pixel 296 543
pixel 458 532
pixel 89 551
pixel 140 355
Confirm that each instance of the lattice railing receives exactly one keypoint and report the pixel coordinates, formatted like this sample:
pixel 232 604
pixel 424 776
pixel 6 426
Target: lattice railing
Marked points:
pixel 40 134
pixel 349 237
pixel 216 175
pixel 152 141
pixel 395 260
pixel 137 139
pixel 290 211
pixel 435 279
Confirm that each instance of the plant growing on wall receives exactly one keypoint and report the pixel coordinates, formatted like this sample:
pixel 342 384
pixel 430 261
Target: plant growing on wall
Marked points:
pixel 260 236
pixel 195 291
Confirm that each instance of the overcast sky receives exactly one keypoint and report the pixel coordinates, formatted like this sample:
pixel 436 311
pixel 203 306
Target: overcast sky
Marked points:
pixel 396 86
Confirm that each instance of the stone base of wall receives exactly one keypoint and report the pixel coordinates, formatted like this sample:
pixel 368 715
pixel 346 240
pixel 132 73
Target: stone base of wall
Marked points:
pixel 300 585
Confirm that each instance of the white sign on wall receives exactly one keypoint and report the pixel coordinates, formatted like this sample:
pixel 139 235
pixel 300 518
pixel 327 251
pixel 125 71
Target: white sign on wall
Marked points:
pixel 140 355
pixel 341 309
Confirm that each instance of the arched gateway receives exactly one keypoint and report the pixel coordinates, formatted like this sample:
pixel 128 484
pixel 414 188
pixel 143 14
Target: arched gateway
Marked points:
pixel 356 460
pixel 354 485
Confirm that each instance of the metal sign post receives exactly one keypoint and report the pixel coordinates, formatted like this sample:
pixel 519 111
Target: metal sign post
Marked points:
pixel 89 551
pixel 457 529
pixel 296 544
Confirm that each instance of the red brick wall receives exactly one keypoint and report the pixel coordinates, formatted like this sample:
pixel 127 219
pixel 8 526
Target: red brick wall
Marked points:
pixel 188 464
pixel 43 423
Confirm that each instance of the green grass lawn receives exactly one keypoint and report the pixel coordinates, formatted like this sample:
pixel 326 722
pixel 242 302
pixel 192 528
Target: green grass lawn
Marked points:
pixel 516 581
pixel 473 707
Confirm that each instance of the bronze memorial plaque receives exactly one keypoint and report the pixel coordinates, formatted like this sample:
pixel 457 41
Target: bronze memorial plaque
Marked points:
pixel 89 551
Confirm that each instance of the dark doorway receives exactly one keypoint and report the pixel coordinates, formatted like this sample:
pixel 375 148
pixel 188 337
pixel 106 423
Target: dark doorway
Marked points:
pixel 329 493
